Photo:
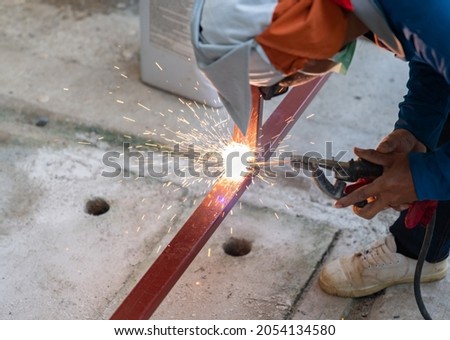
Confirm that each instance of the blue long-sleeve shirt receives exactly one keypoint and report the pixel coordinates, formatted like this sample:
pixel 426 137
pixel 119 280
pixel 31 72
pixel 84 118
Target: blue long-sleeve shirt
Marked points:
pixel 423 28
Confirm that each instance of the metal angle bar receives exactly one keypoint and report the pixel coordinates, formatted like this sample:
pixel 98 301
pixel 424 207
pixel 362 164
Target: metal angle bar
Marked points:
pixel 157 282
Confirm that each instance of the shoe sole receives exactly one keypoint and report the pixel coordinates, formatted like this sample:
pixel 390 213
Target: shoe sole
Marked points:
pixel 355 293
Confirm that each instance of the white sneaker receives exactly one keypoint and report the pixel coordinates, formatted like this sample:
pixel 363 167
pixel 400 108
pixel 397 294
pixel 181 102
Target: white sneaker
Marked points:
pixel 374 269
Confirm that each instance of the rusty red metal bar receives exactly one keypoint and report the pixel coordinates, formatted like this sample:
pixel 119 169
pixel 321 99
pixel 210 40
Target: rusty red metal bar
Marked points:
pixel 157 282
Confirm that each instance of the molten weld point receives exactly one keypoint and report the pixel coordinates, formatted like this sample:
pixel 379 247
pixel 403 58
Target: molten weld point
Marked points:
pixel 237 159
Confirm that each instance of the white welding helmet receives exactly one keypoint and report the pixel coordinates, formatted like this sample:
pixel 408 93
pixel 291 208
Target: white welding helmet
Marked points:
pixel 224 43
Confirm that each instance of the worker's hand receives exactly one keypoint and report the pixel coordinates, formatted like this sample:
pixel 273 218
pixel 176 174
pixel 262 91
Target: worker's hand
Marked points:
pixel 395 188
pixel 400 140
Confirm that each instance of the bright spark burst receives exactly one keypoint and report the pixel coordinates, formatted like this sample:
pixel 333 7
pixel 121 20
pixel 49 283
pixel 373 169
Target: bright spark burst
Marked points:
pixel 209 132
pixel 236 159
pixel 212 141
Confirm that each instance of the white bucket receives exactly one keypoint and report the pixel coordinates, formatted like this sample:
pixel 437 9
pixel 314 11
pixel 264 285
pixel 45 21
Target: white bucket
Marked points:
pixel 167 56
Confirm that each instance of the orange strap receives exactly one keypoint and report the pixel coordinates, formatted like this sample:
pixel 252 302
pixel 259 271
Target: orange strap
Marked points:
pixel 302 30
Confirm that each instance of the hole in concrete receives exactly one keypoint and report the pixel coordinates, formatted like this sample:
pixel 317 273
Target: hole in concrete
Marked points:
pixel 96 206
pixel 42 121
pixel 237 246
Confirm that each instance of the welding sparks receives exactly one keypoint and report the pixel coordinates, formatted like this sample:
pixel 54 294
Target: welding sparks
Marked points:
pixel 206 129
pixel 144 107
pixel 129 119
pixel 212 141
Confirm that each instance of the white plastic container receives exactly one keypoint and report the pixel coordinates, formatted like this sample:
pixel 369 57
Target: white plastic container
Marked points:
pixel 167 56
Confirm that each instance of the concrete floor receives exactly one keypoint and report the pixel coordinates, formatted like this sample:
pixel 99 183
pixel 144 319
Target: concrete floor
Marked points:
pixel 74 70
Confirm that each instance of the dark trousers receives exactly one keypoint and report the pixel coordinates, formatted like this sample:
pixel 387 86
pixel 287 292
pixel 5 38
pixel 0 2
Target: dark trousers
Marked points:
pixel 409 241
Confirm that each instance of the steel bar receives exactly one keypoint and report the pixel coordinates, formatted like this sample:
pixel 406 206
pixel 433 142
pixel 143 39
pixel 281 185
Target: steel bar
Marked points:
pixel 157 282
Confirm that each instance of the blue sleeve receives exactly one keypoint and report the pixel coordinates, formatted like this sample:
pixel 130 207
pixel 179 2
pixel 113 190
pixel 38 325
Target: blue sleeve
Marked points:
pixel 424 112
pixel 431 173
pixel 426 105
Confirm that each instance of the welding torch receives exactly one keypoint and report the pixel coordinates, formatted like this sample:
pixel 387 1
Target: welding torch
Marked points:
pixel 360 172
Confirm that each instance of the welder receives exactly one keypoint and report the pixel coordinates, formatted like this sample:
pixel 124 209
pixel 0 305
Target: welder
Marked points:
pixel 276 44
